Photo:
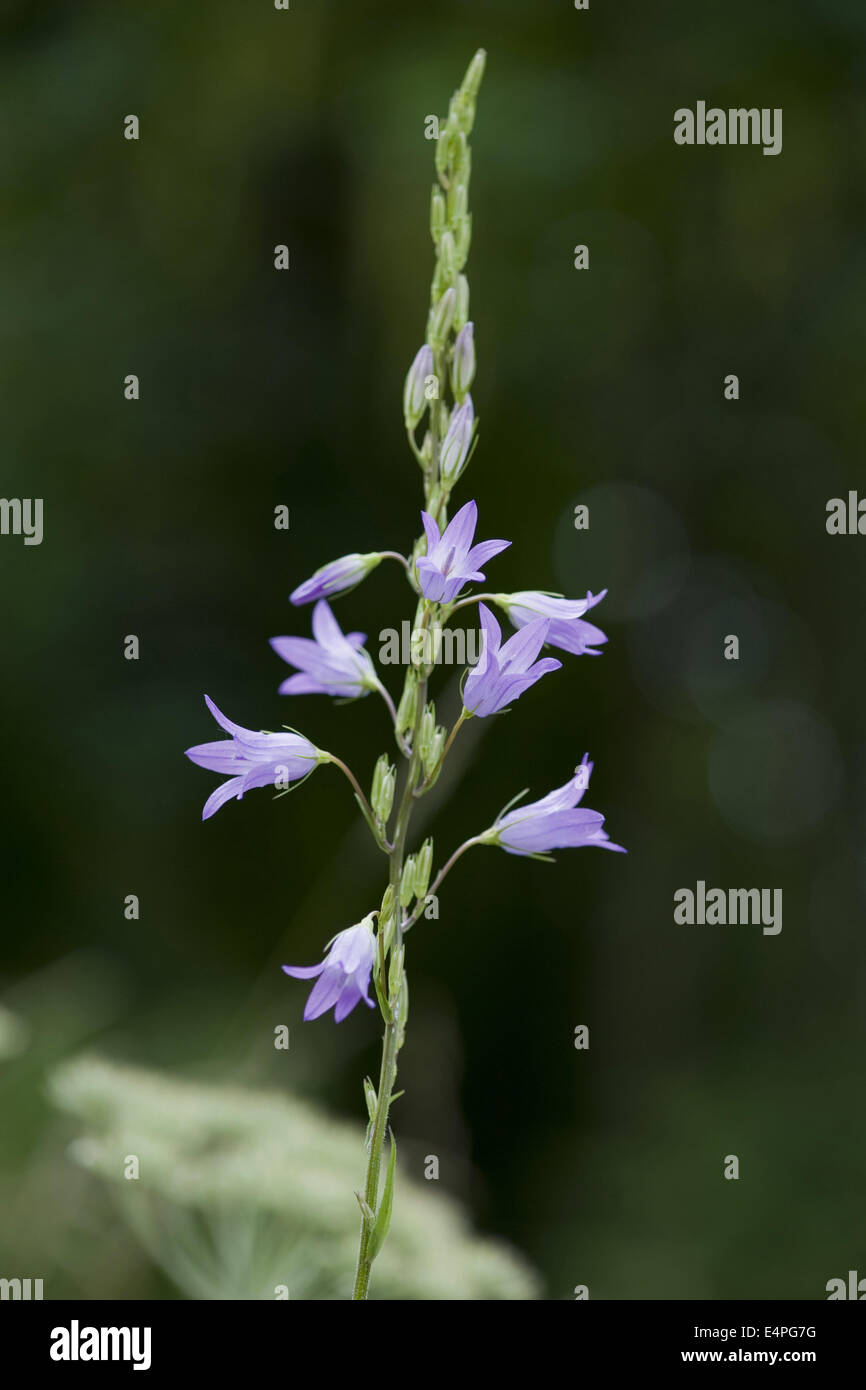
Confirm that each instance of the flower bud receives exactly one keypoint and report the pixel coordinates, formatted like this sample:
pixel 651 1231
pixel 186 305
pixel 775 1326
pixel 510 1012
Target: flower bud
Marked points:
pixel 464 240
pixel 458 204
pixel 462 158
pixel 414 399
pixel 395 974
pixel 463 361
pixel 446 144
pixel 437 213
pixel 335 578
pixel 455 446
pixel 448 257
pixel 423 867
pixel 407 882
pixel 474 73
pixel 441 316
pixel 406 707
pixel 387 917
pixel 382 792
pixel 461 311
pixel 432 755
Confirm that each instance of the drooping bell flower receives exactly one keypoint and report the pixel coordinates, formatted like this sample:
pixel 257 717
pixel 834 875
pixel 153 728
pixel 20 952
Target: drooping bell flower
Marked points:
pixel 554 822
pixel 344 974
pixel 505 670
pixel 251 759
pixel 331 663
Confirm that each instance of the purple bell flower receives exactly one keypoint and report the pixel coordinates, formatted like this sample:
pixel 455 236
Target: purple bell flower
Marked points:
pixel 344 974
pixel 332 663
pixel 504 672
pixel 567 629
pixel 452 560
pixel 252 759
pixel 552 823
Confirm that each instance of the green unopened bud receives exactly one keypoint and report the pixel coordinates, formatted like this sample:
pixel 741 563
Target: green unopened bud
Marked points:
pixel 458 204
pixel 387 917
pixel 437 213
pixel 370 1097
pixel 395 973
pixel 423 867
pixel 462 158
pixel 441 316
pixel 464 240
pixel 461 309
pixel 387 908
pixel 431 754
pixel 428 727
pixel 382 792
pixel 406 707
pixel 445 145
pixel 474 73
pixel 407 882
pixel 448 257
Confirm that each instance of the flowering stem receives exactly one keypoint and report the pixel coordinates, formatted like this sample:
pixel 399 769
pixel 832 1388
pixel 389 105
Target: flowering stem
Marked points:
pixel 392 991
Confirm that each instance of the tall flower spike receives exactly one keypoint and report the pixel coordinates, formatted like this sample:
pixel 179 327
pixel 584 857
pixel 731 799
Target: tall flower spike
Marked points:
pixel 504 672
pixel 344 974
pixel 452 560
pixel 333 663
pixel 252 760
pixel 552 823
pixel 567 629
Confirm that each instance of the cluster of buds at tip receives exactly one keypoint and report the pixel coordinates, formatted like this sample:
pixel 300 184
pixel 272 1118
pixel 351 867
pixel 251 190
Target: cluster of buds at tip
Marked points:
pixel 382 791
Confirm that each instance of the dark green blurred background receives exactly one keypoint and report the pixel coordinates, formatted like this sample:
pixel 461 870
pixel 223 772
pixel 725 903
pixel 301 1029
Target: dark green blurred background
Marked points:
pixel 603 387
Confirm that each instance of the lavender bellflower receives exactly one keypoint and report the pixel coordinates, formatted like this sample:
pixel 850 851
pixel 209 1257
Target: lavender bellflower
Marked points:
pixel 252 760
pixel 344 974
pixel 332 663
pixel 552 823
pixel 452 560
pixel 567 629
pixel 505 670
